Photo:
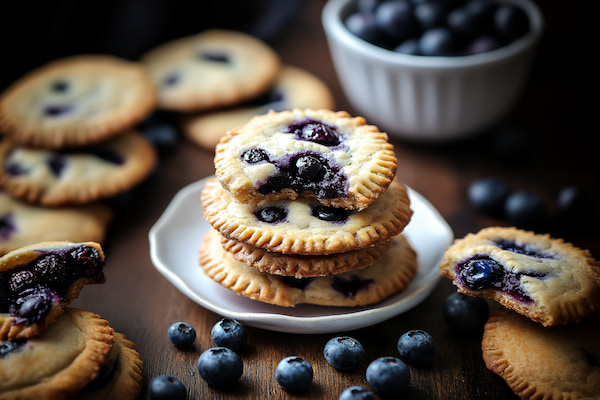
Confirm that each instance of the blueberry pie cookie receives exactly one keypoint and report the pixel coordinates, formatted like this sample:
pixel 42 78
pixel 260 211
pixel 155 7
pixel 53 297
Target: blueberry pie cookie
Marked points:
pixel 76 101
pixel 305 226
pixel 23 223
pixel 300 266
pixel 336 158
pixel 38 281
pixel 214 68
pixel 548 280
pixel 294 88
pixel 391 274
pixel 553 363
pixel 58 364
pixel 76 176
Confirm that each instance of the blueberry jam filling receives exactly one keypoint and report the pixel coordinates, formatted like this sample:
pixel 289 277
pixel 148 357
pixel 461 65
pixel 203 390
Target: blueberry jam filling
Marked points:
pixel 350 287
pixel 306 171
pixel 214 57
pixel 255 155
pixel 592 359
pixel 59 86
pixel 171 79
pixel 483 272
pixel 315 131
pixel 57 110
pixel 8 347
pixel 28 291
pixel 271 215
pixel 330 214
pixel 298 283
pixel 7 226
pixel 56 164
pixel 509 245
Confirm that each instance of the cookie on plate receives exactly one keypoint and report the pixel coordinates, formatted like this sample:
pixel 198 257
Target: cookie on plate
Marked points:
pixel 214 68
pixel 59 363
pixel 546 279
pixel 370 285
pixel 336 158
pixel 38 281
pixel 120 376
pixel 553 363
pixel 300 266
pixel 305 226
pixel 23 223
pixel 76 176
pixel 294 88
pixel 76 101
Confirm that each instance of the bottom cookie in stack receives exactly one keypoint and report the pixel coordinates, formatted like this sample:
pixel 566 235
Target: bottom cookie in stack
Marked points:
pixel 78 356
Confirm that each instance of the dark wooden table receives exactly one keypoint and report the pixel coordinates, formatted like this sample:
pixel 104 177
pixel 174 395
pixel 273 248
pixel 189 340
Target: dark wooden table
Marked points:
pixel 557 151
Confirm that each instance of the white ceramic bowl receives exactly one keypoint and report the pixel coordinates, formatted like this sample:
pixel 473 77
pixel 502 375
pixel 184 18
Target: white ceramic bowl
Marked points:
pixel 429 98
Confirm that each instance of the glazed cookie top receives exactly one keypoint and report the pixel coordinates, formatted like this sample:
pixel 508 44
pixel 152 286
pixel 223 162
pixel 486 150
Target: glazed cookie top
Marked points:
pixel 338 159
pixel 22 223
pixel 59 363
pixel 214 68
pixel 38 281
pixel 558 362
pixel 77 176
pixel 370 285
pixel 76 101
pixel 294 88
pixel 546 279
pixel 305 226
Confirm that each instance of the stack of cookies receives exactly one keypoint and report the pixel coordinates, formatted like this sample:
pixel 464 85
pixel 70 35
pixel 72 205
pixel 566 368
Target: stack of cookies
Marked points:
pixel 49 350
pixel 218 79
pixel 305 209
pixel 68 141
pixel 544 341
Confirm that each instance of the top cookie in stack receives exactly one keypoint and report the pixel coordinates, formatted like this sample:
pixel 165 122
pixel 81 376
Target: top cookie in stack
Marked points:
pixel 308 211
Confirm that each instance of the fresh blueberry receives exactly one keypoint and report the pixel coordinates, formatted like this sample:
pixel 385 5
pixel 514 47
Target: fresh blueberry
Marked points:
pixel 229 333
pixel 416 347
pixel 483 44
pixel 181 334
pixel 164 137
pixel 464 24
pixel 409 46
pixel 166 387
pixel 356 393
pixel 480 273
pixel 363 26
pixel 573 201
pixel 429 14
pixel 271 214
pixel 294 374
pixel 220 366
pixel 331 214
pixel 511 21
pixel 368 6
pixel 388 376
pixel 465 314
pixel 488 195
pixel 439 42
pixel 525 209
pixel 344 353
pixel 395 19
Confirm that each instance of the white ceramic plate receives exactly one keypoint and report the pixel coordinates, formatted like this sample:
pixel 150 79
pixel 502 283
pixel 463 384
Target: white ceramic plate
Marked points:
pixel 175 237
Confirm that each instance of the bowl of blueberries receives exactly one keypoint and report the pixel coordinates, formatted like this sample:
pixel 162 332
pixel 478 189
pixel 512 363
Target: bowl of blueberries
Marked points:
pixel 432 70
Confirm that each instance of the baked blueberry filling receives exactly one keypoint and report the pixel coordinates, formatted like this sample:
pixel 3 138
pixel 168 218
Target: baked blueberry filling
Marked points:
pixel 330 214
pixel 107 155
pixel 214 57
pixel 315 131
pixel 592 359
pixel 510 245
pixel 57 110
pixel 255 155
pixel 350 287
pixel 171 79
pixel 56 164
pixel 482 272
pixel 105 375
pixel 271 215
pixel 7 226
pixel 59 86
pixel 28 291
pixel 9 347
pixel 298 283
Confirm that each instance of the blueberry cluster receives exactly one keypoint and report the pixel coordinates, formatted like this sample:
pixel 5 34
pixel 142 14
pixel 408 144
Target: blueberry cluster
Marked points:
pixel 438 27
pixel 465 314
pixel 526 209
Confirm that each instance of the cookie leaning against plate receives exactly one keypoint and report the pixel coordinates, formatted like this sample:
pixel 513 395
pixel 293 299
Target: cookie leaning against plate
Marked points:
pixel 38 281
pixel 214 68
pixel 305 226
pixel 338 159
pixel 370 285
pixel 300 266
pixel 22 223
pixel 295 88
pixel 76 101
pixel 58 364
pixel 553 363
pixel 76 176
pixel 547 280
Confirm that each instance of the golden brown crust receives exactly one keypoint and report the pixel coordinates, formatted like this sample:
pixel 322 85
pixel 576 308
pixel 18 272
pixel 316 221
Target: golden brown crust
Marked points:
pixel 304 234
pixel 387 276
pixel 568 292
pixel 365 157
pixel 108 95
pixel 543 362
pixel 40 370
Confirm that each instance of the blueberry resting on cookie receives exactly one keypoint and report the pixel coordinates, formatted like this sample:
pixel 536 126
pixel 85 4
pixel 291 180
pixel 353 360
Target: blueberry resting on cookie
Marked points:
pixel 38 281
pixel 545 279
